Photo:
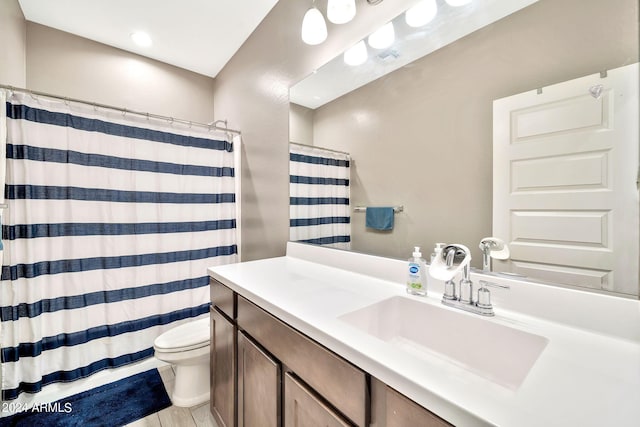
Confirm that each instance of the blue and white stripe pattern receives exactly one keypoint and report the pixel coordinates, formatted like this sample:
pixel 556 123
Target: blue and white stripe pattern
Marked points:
pixel 111 225
pixel 319 206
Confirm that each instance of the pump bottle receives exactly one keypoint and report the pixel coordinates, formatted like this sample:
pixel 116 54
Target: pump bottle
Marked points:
pixel 416 274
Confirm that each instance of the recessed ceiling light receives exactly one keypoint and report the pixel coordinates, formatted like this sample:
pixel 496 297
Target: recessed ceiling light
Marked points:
pixel 141 38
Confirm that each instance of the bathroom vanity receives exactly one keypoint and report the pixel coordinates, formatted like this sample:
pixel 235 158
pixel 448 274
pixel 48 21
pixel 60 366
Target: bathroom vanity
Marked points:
pixel 265 354
pixel 331 336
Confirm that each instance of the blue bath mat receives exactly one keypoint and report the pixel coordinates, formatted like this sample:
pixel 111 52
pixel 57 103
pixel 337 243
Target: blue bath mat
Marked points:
pixel 110 405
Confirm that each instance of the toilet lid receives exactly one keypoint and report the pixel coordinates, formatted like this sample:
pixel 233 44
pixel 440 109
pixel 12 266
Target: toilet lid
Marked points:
pixel 188 336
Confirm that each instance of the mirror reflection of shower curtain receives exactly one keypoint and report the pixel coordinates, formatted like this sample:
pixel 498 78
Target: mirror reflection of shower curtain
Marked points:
pixel 112 222
pixel 319 207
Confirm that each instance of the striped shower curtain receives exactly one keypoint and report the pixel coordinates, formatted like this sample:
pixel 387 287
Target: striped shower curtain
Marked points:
pixel 112 221
pixel 319 209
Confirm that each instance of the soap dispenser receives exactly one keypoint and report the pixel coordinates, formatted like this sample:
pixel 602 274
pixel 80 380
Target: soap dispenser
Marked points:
pixel 416 278
pixel 436 251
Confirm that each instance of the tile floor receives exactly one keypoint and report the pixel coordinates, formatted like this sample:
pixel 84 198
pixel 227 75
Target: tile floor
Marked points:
pixel 173 416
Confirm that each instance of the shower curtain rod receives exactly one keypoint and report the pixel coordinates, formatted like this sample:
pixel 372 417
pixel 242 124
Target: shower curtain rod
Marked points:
pixel 320 148
pixel 210 126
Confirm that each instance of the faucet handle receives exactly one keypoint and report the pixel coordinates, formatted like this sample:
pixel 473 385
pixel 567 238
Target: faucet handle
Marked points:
pixel 450 291
pixel 484 295
pixel 484 283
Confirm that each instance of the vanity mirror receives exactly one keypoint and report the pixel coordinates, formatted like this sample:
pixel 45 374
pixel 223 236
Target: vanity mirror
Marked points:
pixel 422 136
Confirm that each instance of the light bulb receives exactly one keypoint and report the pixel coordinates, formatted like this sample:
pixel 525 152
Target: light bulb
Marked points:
pixel 141 38
pixel 421 14
pixel 456 3
pixel 383 37
pixel 341 11
pixel 356 54
pixel 314 29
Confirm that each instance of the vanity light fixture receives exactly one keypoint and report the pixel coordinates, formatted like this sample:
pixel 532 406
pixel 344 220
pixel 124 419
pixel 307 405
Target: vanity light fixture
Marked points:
pixel 141 38
pixel 356 54
pixel 456 3
pixel 421 13
pixel 341 11
pixel 383 37
pixel 314 29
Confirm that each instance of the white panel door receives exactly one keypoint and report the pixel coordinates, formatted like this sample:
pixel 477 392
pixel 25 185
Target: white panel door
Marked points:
pixel 565 172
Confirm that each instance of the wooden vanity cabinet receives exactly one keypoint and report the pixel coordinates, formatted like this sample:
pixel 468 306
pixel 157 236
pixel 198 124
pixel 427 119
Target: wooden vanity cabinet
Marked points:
pixel 223 370
pixel 265 373
pixel 332 379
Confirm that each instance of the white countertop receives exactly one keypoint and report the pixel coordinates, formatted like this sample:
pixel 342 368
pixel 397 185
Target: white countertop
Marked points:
pixel 586 375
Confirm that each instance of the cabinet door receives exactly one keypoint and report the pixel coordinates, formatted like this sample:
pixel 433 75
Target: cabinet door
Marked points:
pixel 339 382
pixel 223 370
pixel 258 386
pixel 304 409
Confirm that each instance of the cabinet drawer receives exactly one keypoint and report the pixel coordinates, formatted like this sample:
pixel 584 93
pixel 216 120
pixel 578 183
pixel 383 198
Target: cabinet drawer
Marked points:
pixel 402 412
pixel 223 298
pixel 304 408
pixel 339 382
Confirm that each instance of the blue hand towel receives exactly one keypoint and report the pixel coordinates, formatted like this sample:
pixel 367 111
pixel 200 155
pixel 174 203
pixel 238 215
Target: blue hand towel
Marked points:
pixel 380 218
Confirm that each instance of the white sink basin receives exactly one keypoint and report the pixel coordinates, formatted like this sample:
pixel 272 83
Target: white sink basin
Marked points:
pixel 499 353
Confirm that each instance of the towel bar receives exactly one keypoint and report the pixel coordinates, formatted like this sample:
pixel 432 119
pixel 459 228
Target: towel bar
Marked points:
pixel 396 209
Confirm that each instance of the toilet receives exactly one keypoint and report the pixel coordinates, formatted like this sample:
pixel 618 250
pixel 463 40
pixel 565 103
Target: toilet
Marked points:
pixel 187 347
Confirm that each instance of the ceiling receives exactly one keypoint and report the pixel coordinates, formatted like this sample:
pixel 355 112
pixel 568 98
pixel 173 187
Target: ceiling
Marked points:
pixel 197 35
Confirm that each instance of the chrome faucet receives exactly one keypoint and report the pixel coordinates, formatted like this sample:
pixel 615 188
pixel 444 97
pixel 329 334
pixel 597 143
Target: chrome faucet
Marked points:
pixel 457 257
pixel 450 254
pixel 492 247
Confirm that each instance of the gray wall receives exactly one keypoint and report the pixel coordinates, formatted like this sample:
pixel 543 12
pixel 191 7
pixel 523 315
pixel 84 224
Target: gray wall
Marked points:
pixel 252 93
pixel 64 64
pixel 422 136
pixel 301 124
pixel 44 59
pixel 13 34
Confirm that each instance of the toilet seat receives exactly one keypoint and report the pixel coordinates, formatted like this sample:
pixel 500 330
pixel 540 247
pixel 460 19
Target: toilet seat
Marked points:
pixel 188 336
pixel 187 347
